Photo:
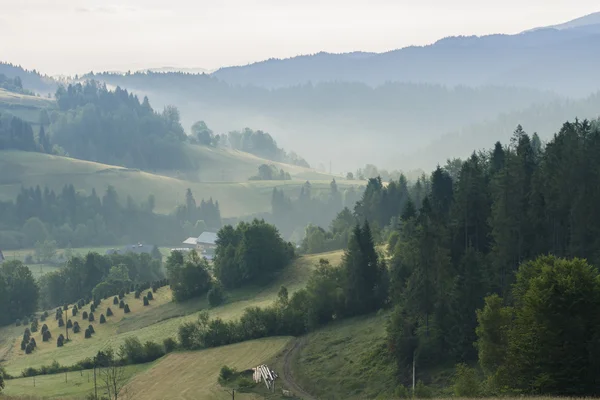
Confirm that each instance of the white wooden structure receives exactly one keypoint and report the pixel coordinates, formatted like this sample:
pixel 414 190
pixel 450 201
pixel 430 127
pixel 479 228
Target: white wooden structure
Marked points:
pixel 263 373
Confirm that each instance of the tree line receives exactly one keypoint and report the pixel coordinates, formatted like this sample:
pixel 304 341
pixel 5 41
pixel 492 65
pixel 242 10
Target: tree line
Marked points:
pixel 292 216
pixel 75 219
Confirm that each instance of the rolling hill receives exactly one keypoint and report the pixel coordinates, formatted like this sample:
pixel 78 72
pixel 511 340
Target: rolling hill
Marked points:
pixel 216 180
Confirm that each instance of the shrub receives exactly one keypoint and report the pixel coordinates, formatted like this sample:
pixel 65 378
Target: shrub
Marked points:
pixel 127 310
pixel 60 341
pixel 244 383
pixel 422 391
pixel 115 300
pixel 91 317
pixel 153 351
pixel 227 373
pixel 150 295
pixel 42 318
pixel 466 383
pixel 69 324
pixel 44 328
pixel 137 294
pixel 33 342
pixel 75 311
pixel 61 322
pixel 29 348
pixel 146 302
pixel 132 351
pixel 216 296
pixel 109 312
pixel 76 328
pixel 121 294
pixel 91 329
pixel 102 319
pixel 66 307
pixel 88 334
pixel 122 304
pixel 18 322
pixel 84 315
pixel 92 308
pixel 402 392
pixel 169 344
pixel 46 336
pixel 23 344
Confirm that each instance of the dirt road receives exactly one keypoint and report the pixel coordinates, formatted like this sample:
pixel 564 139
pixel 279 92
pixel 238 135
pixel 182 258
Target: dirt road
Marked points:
pixel 287 376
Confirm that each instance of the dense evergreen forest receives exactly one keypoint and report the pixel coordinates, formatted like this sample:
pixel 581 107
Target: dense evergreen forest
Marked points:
pixel 114 127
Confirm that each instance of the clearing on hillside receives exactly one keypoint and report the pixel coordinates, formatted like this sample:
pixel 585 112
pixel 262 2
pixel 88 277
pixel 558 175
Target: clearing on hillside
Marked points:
pixel 194 375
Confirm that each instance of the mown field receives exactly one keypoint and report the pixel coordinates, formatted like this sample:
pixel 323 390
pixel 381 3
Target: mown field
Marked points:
pixel 156 322
pixel 193 375
pixel 216 180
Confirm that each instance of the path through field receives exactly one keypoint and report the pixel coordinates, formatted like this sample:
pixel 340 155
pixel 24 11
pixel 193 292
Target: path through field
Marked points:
pixel 291 354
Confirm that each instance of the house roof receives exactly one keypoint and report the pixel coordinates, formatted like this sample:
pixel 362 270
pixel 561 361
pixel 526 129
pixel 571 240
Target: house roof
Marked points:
pixel 191 240
pixel 207 238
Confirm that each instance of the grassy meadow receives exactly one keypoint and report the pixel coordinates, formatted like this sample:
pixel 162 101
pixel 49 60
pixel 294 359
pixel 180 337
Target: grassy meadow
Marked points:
pixel 340 361
pixel 156 322
pixel 236 198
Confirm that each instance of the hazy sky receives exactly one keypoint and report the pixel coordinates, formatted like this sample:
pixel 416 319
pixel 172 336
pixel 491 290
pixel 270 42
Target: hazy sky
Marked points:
pixel 75 36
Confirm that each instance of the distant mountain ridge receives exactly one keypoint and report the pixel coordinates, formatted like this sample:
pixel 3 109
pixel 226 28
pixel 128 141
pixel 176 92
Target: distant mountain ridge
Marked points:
pixel 568 55
pixel 586 20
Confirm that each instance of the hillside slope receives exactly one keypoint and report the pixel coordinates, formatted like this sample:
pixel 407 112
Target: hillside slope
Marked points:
pixel 156 322
pixel 27 169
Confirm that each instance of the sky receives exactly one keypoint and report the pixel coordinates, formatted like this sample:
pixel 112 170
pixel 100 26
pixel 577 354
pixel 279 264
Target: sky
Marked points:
pixel 67 37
